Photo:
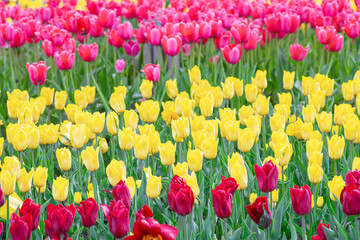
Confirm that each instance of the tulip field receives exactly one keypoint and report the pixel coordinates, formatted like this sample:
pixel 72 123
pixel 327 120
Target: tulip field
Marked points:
pixel 180 119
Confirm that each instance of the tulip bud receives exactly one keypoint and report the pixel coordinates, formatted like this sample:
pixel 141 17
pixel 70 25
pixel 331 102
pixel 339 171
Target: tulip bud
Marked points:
pixel 336 146
pixel 78 136
pixel 19 140
pixel 77 197
pixel 7 182
pixel 63 156
pixel 146 88
pixel 288 80
pixel 252 198
pixel 251 92
pixel 315 173
pixel 97 122
pixel 167 153
pixel 194 159
pixel 324 121
pixel 348 91
pixel 246 139
pixel 116 172
pixel 40 177
pixel 131 119
pixel 171 88
pixel 209 147
pixel 112 122
pixel 153 187
pixel 141 146
pixel 90 157
pixel 60 189
pixel 320 202
pixel 60 100
pixel 125 138
pixel 260 79
pixel 261 105
pixel 194 75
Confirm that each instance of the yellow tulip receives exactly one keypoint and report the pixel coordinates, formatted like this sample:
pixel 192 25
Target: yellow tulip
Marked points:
pixel 168 112
pixel 275 195
pixel 252 198
pixel 63 155
pixel 40 177
pixel 1 145
pixel 211 127
pixel 285 98
pixel 24 182
pixel 148 110
pixel 64 133
pixel 153 187
pixel 194 75
pixel 198 138
pixel 315 159
pixel 7 182
pixel 251 92
pixel 226 114
pixel 125 138
pixel 191 181
pixel 104 147
pixel 70 111
pixel 260 79
pixel 261 105
pixel 336 146
pixel 52 133
pixel 116 172
pixel 90 158
pixel 336 185
pixel 197 123
pixel 341 111
pixel 146 88
pixel 228 90
pixel 130 183
pixel 238 87
pixel 33 137
pixel 244 113
pixel 117 102
pixel 146 128
pixel 180 169
pixel 309 113
pixel 13 165
pixel 288 80
pixel 180 129
pixel 317 99
pixel 171 88
pixel 77 197
pixel 348 91
pixel 350 129
pixel 97 122
pixel 60 100
pixel 232 129
pixel 131 119
pixel 278 137
pixel 90 93
pixel 324 121
pixel 81 99
pixel 141 146
pixel 179 102
pixel 246 139
pixel 306 130
pixel 320 202
pixel 19 140
pixel 25 116
pixel 207 106
pixel 120 90
pixel 78 136
pixel 194 159
pixel 13 106
pixel 283 109
pixel 315 173
pixel 209 147
pixel 283 152
pixel 313 146
pixel 254 123
pixel 112 122
pixel 90 194
pixel 277 122
pixel 60 189
pixel 356 163
pixel 235 159
pixel 167 153
pixel 239 173
pixel 48 94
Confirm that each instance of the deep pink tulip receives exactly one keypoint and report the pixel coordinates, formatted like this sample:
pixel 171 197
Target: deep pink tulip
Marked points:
pixel 29 206
pixel 20 227
pixel 88 211
pixel 114 38
pixel 244 8
pixel 350 199
pixel 298 52
pixel 253 40
pixel 171 44
pixel 88 52
pixel 216 28
pixel 152 72
pixel 154 36
pixel 139 37
pixel 48 47
pixel 59 220
pixel 121 192
pixel 240 32
pixel 352 29
pixel 330 8
pixel 325 34
pixel 37 72
pixel 259 212
pixel 232 53
pixel 132 48
pixel 290 22
pixel 204 30
pixel 222 197
pixel 267 176
pixel 223 40
pixel 64 60
pixel 6 32
pixel 69 45
pixel 96 29
pixel 301 199
pixel 83 25
pixel 18 38
pixel 186 50
pixel 320 230
pixel 180 198
pixel 30 27
pixel 107 17
pixel 120 65
pixel 58 37
pixel 352 177
pixel 117 215
pixel 126 30
pixel 336 43
pixel 190 31
pixel 273 22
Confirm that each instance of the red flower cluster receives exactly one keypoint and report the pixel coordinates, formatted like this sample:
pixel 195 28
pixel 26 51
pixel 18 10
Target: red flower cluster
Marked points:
pixel 350 195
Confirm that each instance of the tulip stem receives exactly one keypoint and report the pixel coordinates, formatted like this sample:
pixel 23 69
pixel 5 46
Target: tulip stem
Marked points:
pixel 225 230
pixel 89 230
pixel 335 167
pixel 264 136
pixel 282 180
pixel 357 227
pixel 184 227
pixel 79 166
pixel 7 215
pixel 52 161
pixel 303 227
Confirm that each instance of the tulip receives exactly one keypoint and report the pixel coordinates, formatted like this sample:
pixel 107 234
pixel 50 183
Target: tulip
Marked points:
pixel 324 121
pixel 24 182
pixel 352 29
pixel 349 199
pixel 167 153
pixel 244 113
pixel 125 138
pixel 181 197
pixel 194 159
pixel 277 122
pixel 64 60
pixel 29 207
pixel 90 157
pixel 180 169
pixel 171 44
pixel 107 17
pixel 20 140
pixel 88 211
pixel 298 52
pixel 352 178
pixel 288 80
pixel 351 129
pixel 59 220
pixel 146 88
pixel 336 147
pixel 97 122
pixel 259 212
pixel 152 72
pixel 132 48
pixel 60 189
pixel 222 199
pixel 231 53
pixel 60 100
pixel 153 186
pixel 141 146
pixel 246 139
pixel 117 215
pixel 348 91
pixel 116 172
pixel 81 99
pixel 88 52
pixel 228 90
pixel 240 32
pixel 13 165
pixel 131 119
pixel 180 129
pixel 251 92
pixel 301 199
pixel 21 227
pixel 120 65
pixel 207 106
pixel 63 156
pixel 209 147
pixel 40 177
pixel 336 185
pixel 117 102
pixel 77 197
pixel 37 72
pixel 145 226
pixel 121 192
pixel 194 75
pixel 148 110
pixel 315 173
pixel 112 122
pixel 171 88
pixel 7 182
pixel 267 176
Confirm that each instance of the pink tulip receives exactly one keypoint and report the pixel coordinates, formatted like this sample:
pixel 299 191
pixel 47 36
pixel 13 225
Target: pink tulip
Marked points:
pixel 298 52
pixel 336 43
pixel 171 44
pixel 64 60
pixel 107 17
pixel 120 65
pixel 232 53
pixel 37 72
pixel 131 48
pixel 126 30
pixel 152 72
pixel 88 52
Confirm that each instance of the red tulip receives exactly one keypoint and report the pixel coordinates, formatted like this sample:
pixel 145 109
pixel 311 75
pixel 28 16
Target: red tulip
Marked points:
pixel 117 215
pixel 34 209
pixel 352 29
pixel 107 17
pixel 2 198
pixel 154 36
pixel 96 29
pixel 336 44
pixel 316 237
pixel 232 53
pixel 171 44
pixel 222 197
pixel 146 227
pixel 88 211
pixel 325 34
pixel 114 38
pixel 298 52
pixel 18 38
pixel 121 192
pixel 320 230
pixel 301 199
pixel 181 197
pixel 126 30
pixel 350 199
pixel 132 48
pixel 64 60
pixel 88 52
pixel 259 212
pixel 152 72
pixel 37 72
pixel 58 37
pixel 223 40
pixel 240 32
pixel 59 220
pixel 273 23
pixel 352 177
pixel 83 25
pixel 48 47
pixel 190 31
pixel 267 176
pixel 93 6
pixel 20 227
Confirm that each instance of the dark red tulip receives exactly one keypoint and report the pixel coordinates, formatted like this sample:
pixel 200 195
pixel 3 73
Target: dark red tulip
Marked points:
pixel 222 197
pixel 34 209
pixel 190 31
pixel 59 220
pixel 232 53
pixel 301 199
pixel 223 40
pixel 88 52
pixel 146 227
pixel 126 30
pixel 152 72
pixel 325 34
pixel 48 47
pixel 132 48
pixel 320 230
pixel 37 72
pixel 259 212
pixel 20 227
pixel 121 192
pixel 88 211
pixel 240 32
pixel 336 43
pixel 64 60
pixel 352 177
pixel 154 36
pixel 107 17
pixel 18 38
pixel 58 36
pixel 298 52
pixel 114 38
pixel 181 197
pixel 352 29
pixel 117 215
pixel 171 44
pixel 350 199
pixel 267 176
